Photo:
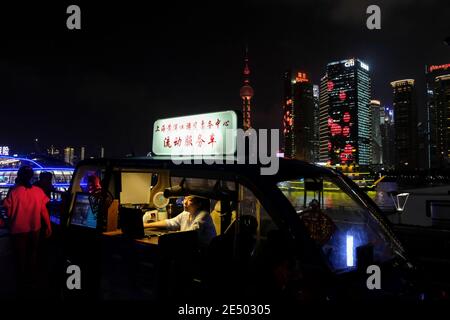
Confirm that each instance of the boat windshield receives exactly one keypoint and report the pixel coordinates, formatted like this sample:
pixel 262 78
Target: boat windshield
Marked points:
pixel 347 231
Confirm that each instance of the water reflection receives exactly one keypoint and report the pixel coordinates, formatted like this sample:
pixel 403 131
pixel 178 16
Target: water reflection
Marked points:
pixel 338 199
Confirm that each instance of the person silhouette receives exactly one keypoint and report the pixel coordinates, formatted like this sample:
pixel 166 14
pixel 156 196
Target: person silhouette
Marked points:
pixel 45 183
pixel 26 208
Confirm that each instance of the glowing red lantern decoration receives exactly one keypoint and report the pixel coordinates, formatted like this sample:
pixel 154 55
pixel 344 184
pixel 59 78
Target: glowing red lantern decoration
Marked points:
pixel 342 95
pixel 330 85
pixel 346 117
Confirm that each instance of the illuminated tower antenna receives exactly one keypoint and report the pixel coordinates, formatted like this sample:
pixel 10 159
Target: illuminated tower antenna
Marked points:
pixel 246 94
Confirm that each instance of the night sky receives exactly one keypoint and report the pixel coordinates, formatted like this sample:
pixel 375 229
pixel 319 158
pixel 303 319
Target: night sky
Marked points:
pixel 131 63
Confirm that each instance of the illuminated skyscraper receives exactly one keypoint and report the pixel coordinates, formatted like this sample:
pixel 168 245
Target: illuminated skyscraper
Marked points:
pixel 288 116
pixel 438 115
pixel 53 151
pixel 348 118
pixel 246 94
pixel 324 105
pixel 405 115
pixel 316 143
pixel 298 119
pixel 69 155
pixel 376 143
pixel 387 136
pixel 82 153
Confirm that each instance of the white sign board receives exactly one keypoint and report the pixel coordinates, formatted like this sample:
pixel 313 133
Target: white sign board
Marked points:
pixel 202 134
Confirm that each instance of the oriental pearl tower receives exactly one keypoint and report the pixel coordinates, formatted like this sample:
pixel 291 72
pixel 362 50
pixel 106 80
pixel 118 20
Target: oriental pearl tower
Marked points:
pixel 246 94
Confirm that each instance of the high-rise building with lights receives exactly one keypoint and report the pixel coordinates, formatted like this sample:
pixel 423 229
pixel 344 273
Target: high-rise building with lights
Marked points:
pixel 376 141
pixel 288 116
pixel 316 141
pixel 298 118
pixel 82 153
pixel 246 94
pixel 345 117
pixel 438 115
pixel 53 151
pixel 387 136
pixel 405 118
pixel 69 154
pixel 323 120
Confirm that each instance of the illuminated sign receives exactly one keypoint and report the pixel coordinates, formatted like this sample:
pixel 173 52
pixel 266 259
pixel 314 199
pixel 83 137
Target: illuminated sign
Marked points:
pixel 349 63
pixel 346 131
pixel 364 66
pixel 4 151
pixel 330 121
pixel 301 77
pixel 346 155
pixel 202 134
pixel 330 85
pixel 346 117
pixel 336 129
pixel 442 66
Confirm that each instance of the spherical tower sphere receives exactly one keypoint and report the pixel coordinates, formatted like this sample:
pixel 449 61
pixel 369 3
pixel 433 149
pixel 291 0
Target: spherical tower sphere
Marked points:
pixel 246 91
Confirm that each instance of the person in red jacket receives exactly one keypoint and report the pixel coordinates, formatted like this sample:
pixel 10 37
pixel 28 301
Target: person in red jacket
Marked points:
pixel 26 209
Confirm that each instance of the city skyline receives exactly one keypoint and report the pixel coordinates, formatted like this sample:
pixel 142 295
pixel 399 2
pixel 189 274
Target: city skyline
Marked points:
pixel 128 67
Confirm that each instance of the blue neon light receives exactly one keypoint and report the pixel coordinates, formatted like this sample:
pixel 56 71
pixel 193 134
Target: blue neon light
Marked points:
pixel 350 262
pixel 42 169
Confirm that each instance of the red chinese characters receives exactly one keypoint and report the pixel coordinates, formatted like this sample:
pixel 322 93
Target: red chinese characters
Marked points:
pixel 188 141
pixel 211 140
pixel 200 141
pixel 167 142
pixel 177 142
